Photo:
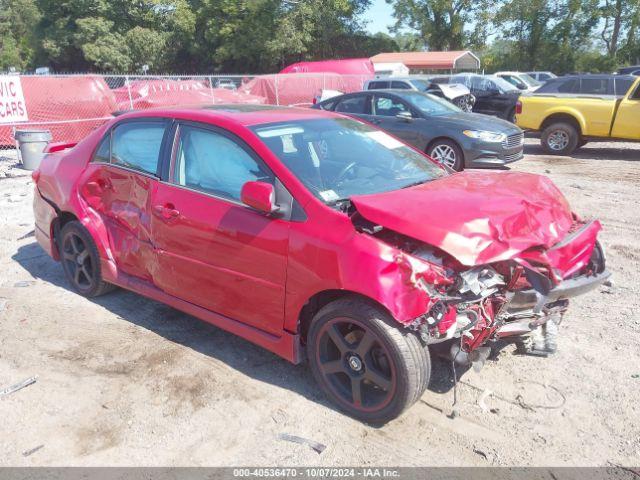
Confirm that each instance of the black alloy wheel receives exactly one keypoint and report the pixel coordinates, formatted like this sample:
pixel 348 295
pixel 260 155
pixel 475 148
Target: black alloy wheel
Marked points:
pixel 80 260
pixel 368 364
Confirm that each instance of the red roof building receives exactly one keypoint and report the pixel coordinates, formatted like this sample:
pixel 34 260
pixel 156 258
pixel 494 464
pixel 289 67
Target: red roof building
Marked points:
pixel 455 60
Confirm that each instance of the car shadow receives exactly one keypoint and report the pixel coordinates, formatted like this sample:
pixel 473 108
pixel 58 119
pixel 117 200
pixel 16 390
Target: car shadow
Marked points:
pixel 590 152
pixel 186 330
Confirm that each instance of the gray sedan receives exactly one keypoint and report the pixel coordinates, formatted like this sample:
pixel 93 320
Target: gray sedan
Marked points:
pixel 435 126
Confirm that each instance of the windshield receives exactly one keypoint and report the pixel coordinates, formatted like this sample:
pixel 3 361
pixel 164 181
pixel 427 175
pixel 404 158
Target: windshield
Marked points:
pixel 502 84
pixel 336 158
pixel 529 80
pixel 421 85
pixel 430 104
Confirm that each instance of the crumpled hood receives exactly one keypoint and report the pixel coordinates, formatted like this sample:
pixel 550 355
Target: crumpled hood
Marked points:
pixel 477 217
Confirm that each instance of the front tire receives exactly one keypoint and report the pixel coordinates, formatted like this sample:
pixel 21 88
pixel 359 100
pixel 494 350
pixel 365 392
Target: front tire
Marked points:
pixel 448 153
pixel 365 362
pixel 560 138
pixel 80 261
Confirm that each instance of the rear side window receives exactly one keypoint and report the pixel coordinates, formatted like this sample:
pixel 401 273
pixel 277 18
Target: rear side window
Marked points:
pixel 378 85
pixel 560 85
pixel 103 153
pixel 211 162
pixel 567 86
pixel 594 86
pixel 355 104
pixel 400 85
pixel 327 105
pixel 136 145
pixel 622 86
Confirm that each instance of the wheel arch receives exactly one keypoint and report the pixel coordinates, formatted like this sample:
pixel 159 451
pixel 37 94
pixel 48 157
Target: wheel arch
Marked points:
pixel 61 219
pixel 96 229
pixel 433 141
pixel 563 117
pixel 320 299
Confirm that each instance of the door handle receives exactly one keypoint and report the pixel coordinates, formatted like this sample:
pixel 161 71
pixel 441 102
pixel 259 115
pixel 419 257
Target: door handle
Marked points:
pixel 167 210
pixel 375 121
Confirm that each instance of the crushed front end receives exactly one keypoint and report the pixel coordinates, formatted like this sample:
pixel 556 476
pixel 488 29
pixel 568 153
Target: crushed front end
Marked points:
pixel 522 299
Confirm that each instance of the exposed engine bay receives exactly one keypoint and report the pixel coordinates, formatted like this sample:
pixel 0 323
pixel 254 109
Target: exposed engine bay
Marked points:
pixel 518 300
pixel 456 93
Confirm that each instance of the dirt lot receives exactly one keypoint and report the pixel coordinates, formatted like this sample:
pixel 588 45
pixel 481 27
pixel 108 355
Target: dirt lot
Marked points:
pixel 123 380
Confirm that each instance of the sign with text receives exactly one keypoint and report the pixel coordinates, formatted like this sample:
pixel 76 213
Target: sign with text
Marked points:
pixel 12 105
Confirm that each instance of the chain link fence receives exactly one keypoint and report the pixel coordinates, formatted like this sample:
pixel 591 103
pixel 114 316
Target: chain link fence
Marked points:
pixel 71 106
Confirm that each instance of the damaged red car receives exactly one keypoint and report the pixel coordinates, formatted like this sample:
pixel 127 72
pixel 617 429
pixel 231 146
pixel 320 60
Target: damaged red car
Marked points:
pixel 313 234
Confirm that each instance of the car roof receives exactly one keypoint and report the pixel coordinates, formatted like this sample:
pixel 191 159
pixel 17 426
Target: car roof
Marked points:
pixel 403 77
pixel 393 91
pixel 597 76
pixel 242 114
pixel 396 91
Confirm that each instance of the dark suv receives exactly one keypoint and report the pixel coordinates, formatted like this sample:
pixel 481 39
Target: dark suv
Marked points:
pixel 494 96
pixel 633 70
pixel 589 84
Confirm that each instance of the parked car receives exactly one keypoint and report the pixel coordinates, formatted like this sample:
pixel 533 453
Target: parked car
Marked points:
pixel 456 93
pixel 570 111
pixel 542 76
pixel 494 96
pixel 450 136
pixel 226 83
pixel 633 70
pixel 304 231
pixel 522 81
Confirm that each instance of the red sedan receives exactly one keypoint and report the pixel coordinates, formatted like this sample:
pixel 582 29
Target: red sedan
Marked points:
pixel 306 231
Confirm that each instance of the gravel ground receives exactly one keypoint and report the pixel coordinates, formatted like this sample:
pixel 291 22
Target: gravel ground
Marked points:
pixel 123 380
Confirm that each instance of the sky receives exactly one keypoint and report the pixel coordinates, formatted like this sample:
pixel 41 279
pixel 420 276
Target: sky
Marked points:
pixel 380 16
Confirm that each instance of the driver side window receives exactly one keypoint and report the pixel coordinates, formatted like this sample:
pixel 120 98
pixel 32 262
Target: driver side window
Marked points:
pixel 388 107
pixel 213 163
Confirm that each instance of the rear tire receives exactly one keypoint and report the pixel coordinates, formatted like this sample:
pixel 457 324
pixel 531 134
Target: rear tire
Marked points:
pixel 560 138
pixel 447 152
pixel 365 362
pixel 81 262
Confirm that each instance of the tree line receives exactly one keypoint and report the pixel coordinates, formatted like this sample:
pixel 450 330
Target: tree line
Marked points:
pixel 256 36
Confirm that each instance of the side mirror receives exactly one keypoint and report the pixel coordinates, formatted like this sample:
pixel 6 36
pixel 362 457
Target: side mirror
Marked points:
pixel 260 196
pixel 404 115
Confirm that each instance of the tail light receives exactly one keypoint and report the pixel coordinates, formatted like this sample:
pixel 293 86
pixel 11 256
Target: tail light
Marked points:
pixel 518 107
pixel 315 100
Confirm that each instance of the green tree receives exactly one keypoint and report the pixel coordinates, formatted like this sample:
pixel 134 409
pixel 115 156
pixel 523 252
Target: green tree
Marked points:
pixel 18 19
pixel 319 29
pixel 101 46
pixel 542 35
pixel 444 24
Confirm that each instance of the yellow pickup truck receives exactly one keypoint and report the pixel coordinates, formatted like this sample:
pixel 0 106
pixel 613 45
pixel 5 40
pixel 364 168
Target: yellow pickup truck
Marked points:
pixel 569 111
